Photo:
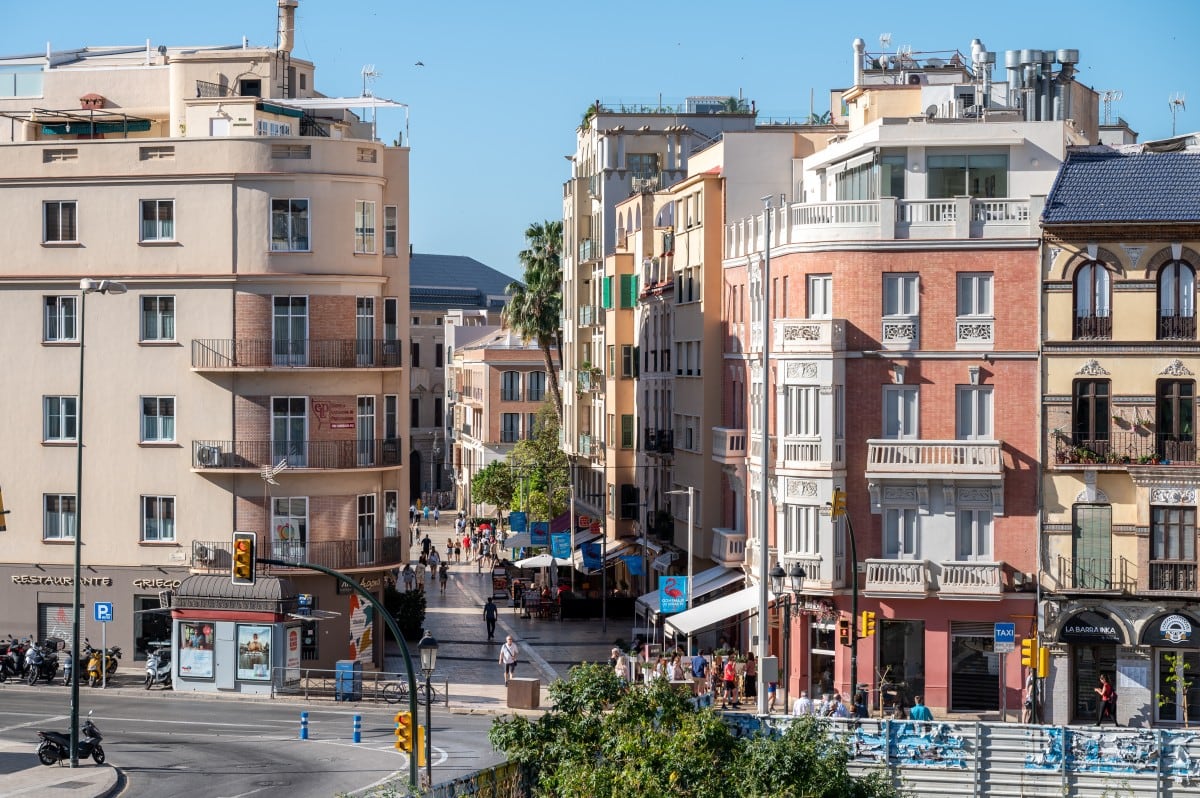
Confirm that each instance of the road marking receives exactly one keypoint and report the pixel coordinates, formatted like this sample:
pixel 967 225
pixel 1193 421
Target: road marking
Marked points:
pixel 39 722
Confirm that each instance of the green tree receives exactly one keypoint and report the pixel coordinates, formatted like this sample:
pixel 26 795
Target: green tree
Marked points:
pixel 493 484
pixel 534 310
pixel 803 760
pixel 542 468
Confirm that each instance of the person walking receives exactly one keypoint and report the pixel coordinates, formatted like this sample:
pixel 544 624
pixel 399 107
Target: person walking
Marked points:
pixel 436 516
pixel 420 574
pixel 1107 707
pixel 699 673
pixel 443 576
pixel 750 678
pixel 490 613
pixel 408 576
pixel 508 658
pixel 729 677
pixel 425 512
pixel 426 544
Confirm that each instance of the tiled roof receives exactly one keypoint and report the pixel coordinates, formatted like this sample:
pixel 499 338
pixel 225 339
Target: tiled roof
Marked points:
pixel 1094 187
pixel 452 281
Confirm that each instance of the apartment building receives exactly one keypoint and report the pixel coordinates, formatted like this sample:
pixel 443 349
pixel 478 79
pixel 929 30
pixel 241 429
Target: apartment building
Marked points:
pixel 437 285
pixel 903 369
pixel 1122 245
pixel 247 378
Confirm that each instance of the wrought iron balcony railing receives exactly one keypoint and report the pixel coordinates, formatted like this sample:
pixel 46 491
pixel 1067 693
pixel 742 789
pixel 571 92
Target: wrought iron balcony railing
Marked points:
pixel 265 353
pixel 312 455
pixel 214 556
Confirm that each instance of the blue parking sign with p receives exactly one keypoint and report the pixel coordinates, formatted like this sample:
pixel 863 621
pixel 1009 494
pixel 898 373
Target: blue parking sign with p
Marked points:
pixel 104 611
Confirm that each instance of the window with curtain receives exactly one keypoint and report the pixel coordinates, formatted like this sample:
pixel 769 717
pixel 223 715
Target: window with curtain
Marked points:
pixel 900 533
pixel 510 386
pixel 1093 301
pixel 58 521
pixel 1176 301
pixel 158 519
pixel 158 419
pixel 59 222
pixel 59 418
pixel 158 220
pixel 510 427
pixel 537 386
pixel 158 318
pixel 289 225
pixel 60 319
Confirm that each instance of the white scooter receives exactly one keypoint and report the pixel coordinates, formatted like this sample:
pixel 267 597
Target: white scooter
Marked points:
pixel 158 667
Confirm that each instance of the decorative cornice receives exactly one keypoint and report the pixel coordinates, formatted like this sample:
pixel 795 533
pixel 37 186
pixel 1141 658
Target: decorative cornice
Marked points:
pixel 1107 348
pixel 1092 368
pixel 1176 369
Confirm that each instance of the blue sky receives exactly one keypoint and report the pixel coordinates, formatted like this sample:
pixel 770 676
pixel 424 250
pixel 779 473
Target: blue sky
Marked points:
pixel 494 108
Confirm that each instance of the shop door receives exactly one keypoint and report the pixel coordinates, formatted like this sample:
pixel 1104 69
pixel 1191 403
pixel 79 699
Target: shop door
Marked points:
pixel 901 662
pixel 1175 673
pixel 974 668
pixel 1088 663
pixel 54 620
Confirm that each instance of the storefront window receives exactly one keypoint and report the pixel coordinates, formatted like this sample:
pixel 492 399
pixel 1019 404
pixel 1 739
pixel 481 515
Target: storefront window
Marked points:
pixel 1176 674
pixel 974 670
pixel 821 662
pixel 902 660
pixel 1088 662
pixel 150 629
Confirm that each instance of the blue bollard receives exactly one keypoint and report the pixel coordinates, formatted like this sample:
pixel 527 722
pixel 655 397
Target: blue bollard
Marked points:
pixel 358 728
pixel 303 725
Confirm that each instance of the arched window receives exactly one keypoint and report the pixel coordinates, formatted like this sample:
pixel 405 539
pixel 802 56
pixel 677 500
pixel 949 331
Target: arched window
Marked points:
pixel 1093 301
pixel 1176 301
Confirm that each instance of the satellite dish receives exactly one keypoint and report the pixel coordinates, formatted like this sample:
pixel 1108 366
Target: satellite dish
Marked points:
pixel 935 63
pixel 885 61
pixel 931 112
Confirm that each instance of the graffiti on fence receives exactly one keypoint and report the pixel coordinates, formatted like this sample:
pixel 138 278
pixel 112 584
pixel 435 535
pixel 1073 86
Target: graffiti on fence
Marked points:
pixel 1133 751
pixel 912 744
pixel 1182 768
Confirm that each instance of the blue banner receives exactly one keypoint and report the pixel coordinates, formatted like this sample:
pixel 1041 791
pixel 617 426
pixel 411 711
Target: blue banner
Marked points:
pixel 539 533
pixel 591 556
pixel 516 521
pixel 633 563
pixel 560 545
pixel 673 593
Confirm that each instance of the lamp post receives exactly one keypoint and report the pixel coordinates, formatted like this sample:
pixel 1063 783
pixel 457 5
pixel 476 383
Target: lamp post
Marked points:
pixel 435 453
pixel 764 460
pixel 691 494
pixel 790 609
pixel 429 649
pixel 86 286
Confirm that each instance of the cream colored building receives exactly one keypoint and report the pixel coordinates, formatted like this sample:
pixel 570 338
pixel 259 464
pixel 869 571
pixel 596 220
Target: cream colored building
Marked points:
pixel 261 231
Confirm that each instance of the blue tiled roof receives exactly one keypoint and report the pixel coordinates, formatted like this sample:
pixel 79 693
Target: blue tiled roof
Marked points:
pixel 1096 187
pixel 452 281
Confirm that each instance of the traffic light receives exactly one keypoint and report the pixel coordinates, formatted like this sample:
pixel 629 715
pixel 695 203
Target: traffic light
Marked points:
pixel 844 631
pixel 1027 652
pixel 420 746
pixel 839 503
pixel 404 737
pixel 868 623
pixel 243 557
pixel 1043 662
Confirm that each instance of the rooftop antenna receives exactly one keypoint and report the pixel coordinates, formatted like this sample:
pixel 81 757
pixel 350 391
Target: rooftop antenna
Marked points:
pixel 1108 97
pixel 1177 103
pixel 369 74
pixel 885 40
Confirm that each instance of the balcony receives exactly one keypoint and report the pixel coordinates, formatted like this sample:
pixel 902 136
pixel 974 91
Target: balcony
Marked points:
pixel 810 451
pixel 818 575
pixel 341 555
pixel 1096 575
pixel 971 580
pixel 589 249
pixel 1136 447
pixel 898 579
pixel 589 381
pixel 1176 328
pixel 247 456
pixel 728 445
pixel 588 447
pixel 591 316
pixel 901 332
pixel 917 459
pixel 1173 576
pixel 974 333
pixel 1092 328
pixel 261 354
pixel 808 336
pixel 728 547
pixel 660 441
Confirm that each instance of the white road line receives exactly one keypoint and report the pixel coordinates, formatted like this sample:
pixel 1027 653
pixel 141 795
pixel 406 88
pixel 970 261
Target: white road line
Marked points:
pixel 540 663
pixel 39 722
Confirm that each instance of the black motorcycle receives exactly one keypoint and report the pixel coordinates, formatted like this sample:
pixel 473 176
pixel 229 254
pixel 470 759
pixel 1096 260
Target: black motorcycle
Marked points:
pixel 41 662
pixel 12 660
pixel 56 746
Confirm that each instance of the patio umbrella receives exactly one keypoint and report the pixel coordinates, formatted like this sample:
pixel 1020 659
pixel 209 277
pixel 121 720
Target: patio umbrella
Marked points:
pixel 539 561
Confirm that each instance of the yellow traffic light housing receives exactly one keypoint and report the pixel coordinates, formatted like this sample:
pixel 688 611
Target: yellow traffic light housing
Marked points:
pixel 420 746
pixel 404 736
pixel 1027 652
pixel 839 503
pixel 1043 662
pixel 844 631
pixel 868 623
pixel 244 544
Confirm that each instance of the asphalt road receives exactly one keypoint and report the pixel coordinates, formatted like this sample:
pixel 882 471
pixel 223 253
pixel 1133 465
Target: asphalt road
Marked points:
pixel 167 744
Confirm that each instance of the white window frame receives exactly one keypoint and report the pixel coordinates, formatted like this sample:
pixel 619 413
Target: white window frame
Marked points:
pixel 364 227
pixel 802 406
pixel 976 294
pixel 820 296
pixel 156 228
pixel 899 394
pixel 162 318
pixel 291 236
pixel 294 545
pixel 153 427
pixel 802 536
pixel 901 544
pixel 58 233
pixel 901 294
pixel 391 227
pixel 974 413
pixel 54 313
pixel 158 519
pixel 64 520
pixel 973 537
pixel 54 408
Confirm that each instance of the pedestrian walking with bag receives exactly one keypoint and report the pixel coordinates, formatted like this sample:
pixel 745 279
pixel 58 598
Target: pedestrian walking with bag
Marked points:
pixel 508 658
pixel 1108 701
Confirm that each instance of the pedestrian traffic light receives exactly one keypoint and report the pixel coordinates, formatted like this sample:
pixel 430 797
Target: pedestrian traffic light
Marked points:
pixel 839 503
pixel 1043 662
pixel 404 739
pixel 420 746
pixel 844 631
pixel 1027 652
pixel 243 557
pixel 868 623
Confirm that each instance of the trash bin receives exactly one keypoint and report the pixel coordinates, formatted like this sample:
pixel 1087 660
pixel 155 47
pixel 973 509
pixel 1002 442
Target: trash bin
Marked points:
pixel 348 680
pixel 524 693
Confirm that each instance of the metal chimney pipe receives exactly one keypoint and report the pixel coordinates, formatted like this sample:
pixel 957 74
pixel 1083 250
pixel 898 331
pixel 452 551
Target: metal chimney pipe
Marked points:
pixel 860 48
pixel 1012 64
pixel 287 25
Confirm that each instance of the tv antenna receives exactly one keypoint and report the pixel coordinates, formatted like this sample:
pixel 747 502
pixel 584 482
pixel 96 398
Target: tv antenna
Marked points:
pixel 1177 103
pixel 369 74
pixel 1108 97
pixel 885 40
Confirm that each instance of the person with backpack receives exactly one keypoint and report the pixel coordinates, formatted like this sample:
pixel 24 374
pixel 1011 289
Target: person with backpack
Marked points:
pixel 1107 707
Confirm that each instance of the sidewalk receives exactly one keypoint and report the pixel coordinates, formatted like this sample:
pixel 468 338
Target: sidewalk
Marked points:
pixel 22 774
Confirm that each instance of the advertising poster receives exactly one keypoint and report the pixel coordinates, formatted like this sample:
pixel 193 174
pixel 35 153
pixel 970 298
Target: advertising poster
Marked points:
pixel 560 545
pixel 196 650
pixel 673 593
pixel 516 521
pixel 293 654
pixel 539 533
pixel 254 652
pixel 361 614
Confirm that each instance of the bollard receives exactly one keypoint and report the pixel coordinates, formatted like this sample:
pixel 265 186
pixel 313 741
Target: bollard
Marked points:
pixel 303 725
pixel 358 728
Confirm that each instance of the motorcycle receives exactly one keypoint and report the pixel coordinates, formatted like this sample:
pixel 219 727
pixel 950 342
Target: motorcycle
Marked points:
pixel 158 667
pixel 12 660
pixel 41 662
pixel 56 746
pixel 94 666
pixel 85 654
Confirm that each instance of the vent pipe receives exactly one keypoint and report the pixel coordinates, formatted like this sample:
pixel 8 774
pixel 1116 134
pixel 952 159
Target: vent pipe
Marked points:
pixel 1012 64
pixel 1046 100
pixel 287 25
pixel 860 48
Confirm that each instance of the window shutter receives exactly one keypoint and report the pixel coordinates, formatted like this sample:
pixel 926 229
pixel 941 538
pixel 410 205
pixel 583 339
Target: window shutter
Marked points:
pixel 627 431
pixel 606 300
pixel 637 362
pixel 629 290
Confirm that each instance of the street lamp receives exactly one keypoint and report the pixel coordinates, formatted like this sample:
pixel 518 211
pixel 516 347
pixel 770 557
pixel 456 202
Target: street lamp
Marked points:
pixel 436 452
pixel 691 494
pixel 428 648
pixel 86 286
pixel 787 611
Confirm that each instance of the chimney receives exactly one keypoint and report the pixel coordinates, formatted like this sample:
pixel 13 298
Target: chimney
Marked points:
pixel 860 48
pixel 287 24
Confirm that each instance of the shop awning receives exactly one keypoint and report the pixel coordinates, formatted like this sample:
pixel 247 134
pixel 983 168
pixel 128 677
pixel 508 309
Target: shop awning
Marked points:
pixel 712 613
pixel 521 540
pixel 703 583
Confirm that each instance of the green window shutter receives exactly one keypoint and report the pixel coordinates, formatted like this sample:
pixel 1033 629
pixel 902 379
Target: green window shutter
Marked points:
pixel 637 361
pixel 606 293
pixel 627 431
pixel 629 290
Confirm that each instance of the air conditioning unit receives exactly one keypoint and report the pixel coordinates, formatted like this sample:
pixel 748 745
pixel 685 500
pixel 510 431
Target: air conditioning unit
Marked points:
pixel 209 456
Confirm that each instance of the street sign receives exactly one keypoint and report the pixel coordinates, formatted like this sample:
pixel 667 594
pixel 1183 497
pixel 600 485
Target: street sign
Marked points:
pixel 1004 638
pixel 104 611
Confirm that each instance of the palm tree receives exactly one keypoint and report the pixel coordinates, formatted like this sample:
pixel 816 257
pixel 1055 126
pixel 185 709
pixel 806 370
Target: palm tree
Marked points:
pixel 535 309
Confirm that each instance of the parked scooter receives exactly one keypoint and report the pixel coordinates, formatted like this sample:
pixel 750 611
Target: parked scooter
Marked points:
pixel 85 654
pixel 12 659
pixel 56 746
pixel 41 662
pixel 109 657
pixel 158 667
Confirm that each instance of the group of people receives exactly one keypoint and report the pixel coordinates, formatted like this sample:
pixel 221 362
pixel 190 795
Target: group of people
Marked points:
pixel 429 561
pixel 723 675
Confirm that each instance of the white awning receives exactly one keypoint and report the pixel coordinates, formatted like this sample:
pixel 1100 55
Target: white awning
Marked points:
pixel 712 613
pixel 614 550
pixel 704 583
pixel 336 103
pixel 520 540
